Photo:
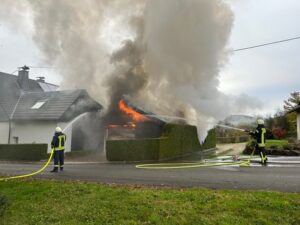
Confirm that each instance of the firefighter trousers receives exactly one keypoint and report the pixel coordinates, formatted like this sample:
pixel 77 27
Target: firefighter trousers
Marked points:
pixel 59 158
pixel 262 154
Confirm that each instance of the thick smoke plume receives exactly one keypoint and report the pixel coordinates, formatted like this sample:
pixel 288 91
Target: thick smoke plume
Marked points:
pixel 165 56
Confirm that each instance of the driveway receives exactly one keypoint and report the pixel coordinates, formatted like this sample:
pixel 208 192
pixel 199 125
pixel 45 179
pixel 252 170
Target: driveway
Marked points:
pixel 231 149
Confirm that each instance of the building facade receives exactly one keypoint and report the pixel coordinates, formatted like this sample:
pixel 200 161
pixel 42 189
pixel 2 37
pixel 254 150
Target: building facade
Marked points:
pixel 31 109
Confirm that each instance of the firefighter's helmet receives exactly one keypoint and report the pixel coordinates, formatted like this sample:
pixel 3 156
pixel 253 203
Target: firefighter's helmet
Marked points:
pixel 260 122
pixel 58 130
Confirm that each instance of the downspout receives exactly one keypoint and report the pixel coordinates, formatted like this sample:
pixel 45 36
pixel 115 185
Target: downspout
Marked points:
pixel 9 130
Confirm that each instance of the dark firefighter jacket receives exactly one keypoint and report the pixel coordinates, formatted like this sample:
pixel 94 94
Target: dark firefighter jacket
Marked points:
pixel 58 141
pixel 260 135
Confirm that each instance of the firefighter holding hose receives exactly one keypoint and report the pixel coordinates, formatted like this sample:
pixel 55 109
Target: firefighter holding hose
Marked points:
pixel 260 136
pixel 58 145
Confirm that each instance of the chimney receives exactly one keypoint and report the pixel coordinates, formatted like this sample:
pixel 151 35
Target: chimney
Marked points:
pixel 23 78
pixel 40 79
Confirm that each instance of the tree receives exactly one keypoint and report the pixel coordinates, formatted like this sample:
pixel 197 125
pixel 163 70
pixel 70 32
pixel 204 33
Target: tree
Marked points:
pixel 291 119
pixel 292 101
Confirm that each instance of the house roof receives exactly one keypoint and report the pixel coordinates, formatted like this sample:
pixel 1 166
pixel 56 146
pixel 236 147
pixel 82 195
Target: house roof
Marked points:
pixel 58 105
pixel 296 109
pixel 53 105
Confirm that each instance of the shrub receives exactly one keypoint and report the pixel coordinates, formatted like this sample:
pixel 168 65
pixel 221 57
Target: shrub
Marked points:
pixel 273 147
pixel 297 146
pixel 288 147
pixel 278 133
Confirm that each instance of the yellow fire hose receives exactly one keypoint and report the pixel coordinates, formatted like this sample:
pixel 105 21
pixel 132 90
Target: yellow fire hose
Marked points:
pixel 30 174
pixel 242 163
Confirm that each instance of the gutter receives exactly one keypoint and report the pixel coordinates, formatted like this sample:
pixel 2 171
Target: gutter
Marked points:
pixel 296 109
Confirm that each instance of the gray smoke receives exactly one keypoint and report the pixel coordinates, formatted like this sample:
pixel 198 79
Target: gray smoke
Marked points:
pixel 129 77
pixel 165 56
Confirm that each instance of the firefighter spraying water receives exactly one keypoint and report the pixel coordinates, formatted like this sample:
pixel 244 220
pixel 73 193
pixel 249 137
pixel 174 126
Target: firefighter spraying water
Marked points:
pixel 259 134
pixel 60 146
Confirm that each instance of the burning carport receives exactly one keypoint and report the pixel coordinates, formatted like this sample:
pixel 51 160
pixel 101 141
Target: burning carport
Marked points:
pixel 145 137
pixel 133 123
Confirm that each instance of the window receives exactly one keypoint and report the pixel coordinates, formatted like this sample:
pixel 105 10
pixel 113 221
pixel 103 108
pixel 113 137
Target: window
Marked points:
pixel 38 105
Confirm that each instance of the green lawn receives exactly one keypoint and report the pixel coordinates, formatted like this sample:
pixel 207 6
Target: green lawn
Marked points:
pixel 52 202
pixel 278 143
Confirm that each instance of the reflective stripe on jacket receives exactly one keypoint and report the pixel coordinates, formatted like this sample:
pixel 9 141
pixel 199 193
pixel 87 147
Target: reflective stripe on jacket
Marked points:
pixel 58 141
pixel 61 142
pixel 260 135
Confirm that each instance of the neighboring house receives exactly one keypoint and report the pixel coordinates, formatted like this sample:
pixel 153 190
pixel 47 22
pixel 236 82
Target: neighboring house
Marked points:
pixel 297 110
pixel 31 109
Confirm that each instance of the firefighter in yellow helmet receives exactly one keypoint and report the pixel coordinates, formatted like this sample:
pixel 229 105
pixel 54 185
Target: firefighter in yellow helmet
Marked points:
pixel 260 136
pixel 58 144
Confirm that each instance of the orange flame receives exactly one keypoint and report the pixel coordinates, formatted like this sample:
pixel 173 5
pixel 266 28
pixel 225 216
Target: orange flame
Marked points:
pixel 129 111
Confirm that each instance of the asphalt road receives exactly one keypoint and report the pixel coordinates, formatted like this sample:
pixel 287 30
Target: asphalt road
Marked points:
pixel 275 177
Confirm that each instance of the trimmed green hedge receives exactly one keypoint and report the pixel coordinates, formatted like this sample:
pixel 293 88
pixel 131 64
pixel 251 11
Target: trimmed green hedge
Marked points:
pixel 210 140
pixel 176 140
pixel 179 140
pixel 132 150
pixel 27 152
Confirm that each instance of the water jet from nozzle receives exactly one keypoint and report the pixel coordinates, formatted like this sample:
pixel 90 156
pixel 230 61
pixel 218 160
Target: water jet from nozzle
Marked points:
pixel 229 127
pixel 74 120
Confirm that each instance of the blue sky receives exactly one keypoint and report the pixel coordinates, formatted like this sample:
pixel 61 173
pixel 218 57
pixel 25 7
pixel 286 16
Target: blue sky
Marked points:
pixel 270 73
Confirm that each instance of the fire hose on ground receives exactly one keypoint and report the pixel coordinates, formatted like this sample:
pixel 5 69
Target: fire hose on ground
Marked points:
pixel 242 163
pixel 33 173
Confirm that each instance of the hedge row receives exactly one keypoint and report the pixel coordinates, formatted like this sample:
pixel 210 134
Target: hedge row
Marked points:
pixel 27 152
pixel 176 140
pixel 210 140
pixel 132 150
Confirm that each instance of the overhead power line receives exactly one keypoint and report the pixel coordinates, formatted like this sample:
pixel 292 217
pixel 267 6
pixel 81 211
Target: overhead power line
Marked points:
pixel 265 44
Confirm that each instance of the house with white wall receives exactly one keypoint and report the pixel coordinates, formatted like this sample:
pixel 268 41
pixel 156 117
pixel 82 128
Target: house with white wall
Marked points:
pixel 31 109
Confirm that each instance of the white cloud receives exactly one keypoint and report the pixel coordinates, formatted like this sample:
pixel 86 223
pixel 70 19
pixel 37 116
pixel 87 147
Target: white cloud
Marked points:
pixel 272 72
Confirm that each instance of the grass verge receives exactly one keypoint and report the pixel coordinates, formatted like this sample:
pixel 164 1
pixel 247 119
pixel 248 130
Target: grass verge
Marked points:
pixel 278 143
pixel 53 202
